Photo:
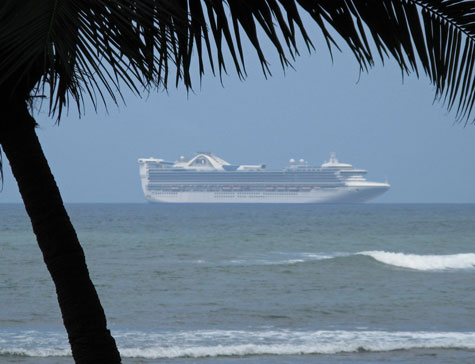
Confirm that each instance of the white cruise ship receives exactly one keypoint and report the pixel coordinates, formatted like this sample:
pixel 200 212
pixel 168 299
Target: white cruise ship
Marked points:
pixel 207 178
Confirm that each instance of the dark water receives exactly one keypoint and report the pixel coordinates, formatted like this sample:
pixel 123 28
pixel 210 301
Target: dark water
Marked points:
pixel 276 284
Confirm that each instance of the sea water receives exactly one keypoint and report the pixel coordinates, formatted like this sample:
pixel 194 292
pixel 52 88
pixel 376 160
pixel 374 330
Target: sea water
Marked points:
pixel 184 284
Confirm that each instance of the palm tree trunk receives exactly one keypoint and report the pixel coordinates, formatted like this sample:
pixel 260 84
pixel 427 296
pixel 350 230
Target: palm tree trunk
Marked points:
pixel 83 316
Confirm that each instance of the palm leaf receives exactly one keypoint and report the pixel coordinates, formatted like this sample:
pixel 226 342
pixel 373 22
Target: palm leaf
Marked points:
pixel 74 48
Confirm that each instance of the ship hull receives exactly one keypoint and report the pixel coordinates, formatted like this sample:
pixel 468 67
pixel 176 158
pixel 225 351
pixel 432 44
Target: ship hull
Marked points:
pixel 345 194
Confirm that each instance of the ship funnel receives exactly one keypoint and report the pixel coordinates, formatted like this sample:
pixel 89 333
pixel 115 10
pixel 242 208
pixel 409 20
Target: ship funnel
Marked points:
pixel 333 159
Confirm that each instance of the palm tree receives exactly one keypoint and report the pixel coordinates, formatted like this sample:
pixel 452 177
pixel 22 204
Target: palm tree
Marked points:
pixel 70 50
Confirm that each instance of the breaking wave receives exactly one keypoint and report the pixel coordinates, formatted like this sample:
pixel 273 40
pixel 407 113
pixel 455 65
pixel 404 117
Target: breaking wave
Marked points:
pixel 213 343
pixel 421 262
pixel 424 262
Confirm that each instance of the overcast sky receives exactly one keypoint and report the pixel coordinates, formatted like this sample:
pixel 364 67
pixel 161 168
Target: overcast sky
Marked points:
pixel 374 121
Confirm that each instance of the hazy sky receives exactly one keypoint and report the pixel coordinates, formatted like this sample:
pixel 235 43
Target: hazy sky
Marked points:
pixel 374 121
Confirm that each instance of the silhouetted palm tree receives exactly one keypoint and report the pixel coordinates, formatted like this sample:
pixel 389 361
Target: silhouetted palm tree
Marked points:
pixel 72 49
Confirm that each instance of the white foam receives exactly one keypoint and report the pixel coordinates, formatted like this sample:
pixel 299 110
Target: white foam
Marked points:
pixel 240 343
pixel 283 258
pixel 322 256
pixel 424 262
pixel 212 343
pixel 35 352
pixel 266 261
pixel 33 343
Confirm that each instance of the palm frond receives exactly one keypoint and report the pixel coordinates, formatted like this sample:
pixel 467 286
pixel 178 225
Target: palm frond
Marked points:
pixel 93 48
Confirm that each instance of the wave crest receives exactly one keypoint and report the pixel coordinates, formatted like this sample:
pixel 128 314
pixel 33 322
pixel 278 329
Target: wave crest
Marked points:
pixel 214 343
pixel 424 262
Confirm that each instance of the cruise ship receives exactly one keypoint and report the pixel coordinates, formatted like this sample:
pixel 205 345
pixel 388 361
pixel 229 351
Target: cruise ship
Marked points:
pixel 207 178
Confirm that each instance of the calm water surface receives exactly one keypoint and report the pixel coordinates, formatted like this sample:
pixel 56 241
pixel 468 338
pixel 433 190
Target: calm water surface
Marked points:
pixel 258 284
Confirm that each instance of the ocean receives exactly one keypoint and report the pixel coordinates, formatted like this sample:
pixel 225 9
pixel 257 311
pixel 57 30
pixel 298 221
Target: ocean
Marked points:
pixel 227 284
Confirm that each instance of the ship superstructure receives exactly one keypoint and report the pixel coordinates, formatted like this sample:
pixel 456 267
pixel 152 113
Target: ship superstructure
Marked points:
pixel 207 178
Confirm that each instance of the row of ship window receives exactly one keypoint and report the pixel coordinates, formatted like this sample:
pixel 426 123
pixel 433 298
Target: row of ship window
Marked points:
pixel 232 194
pixel 241 177
pixel 232 189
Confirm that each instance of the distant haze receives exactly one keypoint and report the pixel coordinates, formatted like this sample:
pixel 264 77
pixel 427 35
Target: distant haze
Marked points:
pixel 374 121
